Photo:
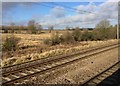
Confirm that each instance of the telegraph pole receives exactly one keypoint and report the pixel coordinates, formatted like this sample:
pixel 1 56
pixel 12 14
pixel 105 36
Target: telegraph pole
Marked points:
pixel 118 22
pixel 118 30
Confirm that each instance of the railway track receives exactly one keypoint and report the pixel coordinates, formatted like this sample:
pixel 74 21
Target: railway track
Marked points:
pixel 21 74
pixel 42 60
pixel 95 80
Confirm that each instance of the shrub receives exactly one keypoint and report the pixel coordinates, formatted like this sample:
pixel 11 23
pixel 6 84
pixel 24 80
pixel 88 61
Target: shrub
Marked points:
pixel 67 37
pixel 112 33
pixel 32 27
pixel 6 31
pixel 96 35
pixel 47 41
pixel 55 39
pixel 103 33
pixel 87 36
pixel 33 31
pixel 11 43
pixel 76 35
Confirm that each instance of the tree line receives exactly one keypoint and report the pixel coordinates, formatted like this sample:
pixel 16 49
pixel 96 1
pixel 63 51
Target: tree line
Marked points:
pixel 32 27
pixel 102 31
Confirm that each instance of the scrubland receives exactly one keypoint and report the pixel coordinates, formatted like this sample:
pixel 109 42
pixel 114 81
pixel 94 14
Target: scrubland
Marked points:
pixel 36 49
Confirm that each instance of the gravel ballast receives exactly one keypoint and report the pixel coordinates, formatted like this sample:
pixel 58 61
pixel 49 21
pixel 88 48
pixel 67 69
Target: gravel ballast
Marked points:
pixel 79 72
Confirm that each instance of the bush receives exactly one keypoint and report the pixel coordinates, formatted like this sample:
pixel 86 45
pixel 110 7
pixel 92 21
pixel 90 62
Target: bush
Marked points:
pixel 87 36
pixel 47 41
pixel 103 33
pixel 6 31
pixel 33 31
pixel 112 33
pixel 11 43
pixel 55 39
pixel 67 38
pixel 76 35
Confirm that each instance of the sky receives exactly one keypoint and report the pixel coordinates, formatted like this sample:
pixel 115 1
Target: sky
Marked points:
pixel 60 14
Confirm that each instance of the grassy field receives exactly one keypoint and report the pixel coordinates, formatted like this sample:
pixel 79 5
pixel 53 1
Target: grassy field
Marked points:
pixel 28 39
pixel 40 50
pixel 31 39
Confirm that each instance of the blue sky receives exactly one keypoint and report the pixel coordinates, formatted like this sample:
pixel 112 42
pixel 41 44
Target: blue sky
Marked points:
pixel 59 14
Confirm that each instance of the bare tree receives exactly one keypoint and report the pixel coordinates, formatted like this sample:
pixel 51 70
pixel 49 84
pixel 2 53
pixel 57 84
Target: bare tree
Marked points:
pixel 104 24
pixel 50 27
pixel 31 23
pixel 103 29
pixel 39 27
pixel 31 26
pixel 67 28
pixel 12 27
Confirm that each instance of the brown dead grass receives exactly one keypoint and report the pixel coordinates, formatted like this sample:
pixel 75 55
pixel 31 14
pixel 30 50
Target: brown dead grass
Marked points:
pixel 36 49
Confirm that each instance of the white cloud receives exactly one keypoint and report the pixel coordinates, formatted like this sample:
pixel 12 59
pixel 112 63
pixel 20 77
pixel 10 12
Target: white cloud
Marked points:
pixel 113 0
pixel 107 10
pixel 82 8
pixel 58 11
pixel 56 14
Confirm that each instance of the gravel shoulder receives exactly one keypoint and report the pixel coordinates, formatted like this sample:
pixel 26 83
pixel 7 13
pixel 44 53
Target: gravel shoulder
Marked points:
pixel 78 72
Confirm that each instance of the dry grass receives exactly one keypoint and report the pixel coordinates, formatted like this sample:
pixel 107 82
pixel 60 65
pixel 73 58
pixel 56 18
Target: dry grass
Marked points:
pixel 29 36
pixel 29 39
pixel 48 51
pixel 55 52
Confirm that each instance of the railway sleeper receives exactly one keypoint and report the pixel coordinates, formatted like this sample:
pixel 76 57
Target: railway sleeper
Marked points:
pixel 96 81
pixel 15 76
pixel 34 70
pixel 26 72
pixel 90 84
pixel 104 75
pixel 101 78
pixel 37 70
pixel 18 75
pixel 108 73
pixel 22 73
pixel 111 71
pixel 40 68
pixel 12 77
pixel 48 66
pixel 30 71
pixel 6 78
pixel 3 80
